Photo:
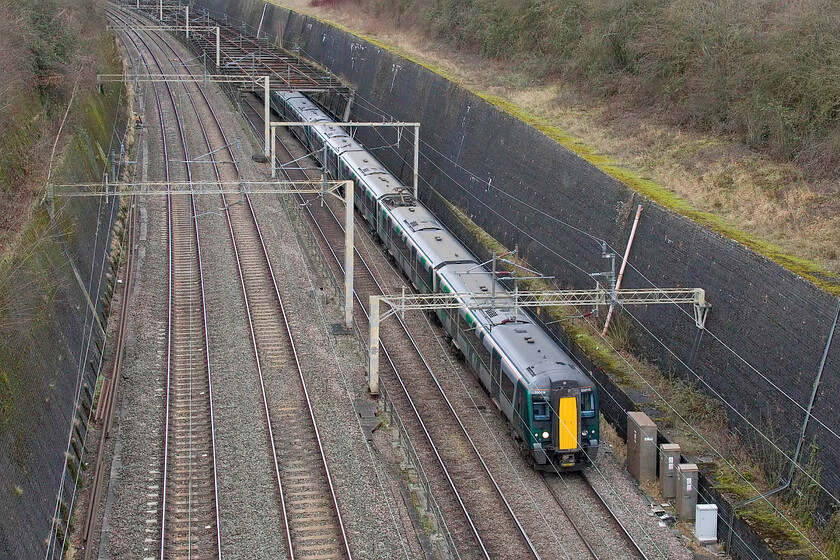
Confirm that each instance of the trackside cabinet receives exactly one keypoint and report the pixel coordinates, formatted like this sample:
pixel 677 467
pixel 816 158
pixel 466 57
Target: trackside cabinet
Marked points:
pixel 687 478
pixel 669 458
pixel 705 525
pixel 641 446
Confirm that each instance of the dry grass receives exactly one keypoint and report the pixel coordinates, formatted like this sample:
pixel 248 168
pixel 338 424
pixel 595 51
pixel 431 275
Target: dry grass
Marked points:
pixel 776 202
pixel 613 440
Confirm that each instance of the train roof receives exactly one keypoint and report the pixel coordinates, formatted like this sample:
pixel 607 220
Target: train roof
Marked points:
pixel 308 111
pixel 538 358
pixel 531 351
pixel 340 141
pixel 429 236
pixel 377 179
pixel 472 278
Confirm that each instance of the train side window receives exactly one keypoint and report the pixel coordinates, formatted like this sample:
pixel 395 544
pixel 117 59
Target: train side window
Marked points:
pixel 507 387
pixel 541 411
pixel 587 404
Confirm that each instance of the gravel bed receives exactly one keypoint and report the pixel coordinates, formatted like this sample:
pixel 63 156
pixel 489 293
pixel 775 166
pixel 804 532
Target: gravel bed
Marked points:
pixel 377 518
pixel 251 522
pixel 132 525
pixel 632 507
pixel 334 371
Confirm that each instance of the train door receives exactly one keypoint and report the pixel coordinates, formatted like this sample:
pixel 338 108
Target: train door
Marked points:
pixel 495 374
pixel 567 405
pixel 508 387
pixel 521 414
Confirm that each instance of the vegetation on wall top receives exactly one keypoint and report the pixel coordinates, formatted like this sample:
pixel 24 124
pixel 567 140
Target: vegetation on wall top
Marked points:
pixel 763 71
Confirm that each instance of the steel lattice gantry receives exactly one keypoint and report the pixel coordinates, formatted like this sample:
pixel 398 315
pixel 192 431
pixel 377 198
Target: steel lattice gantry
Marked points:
pixel 244 54
pixel 516 300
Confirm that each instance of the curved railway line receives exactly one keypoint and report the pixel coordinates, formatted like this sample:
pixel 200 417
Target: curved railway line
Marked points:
pixel 489 512
pixel 311 517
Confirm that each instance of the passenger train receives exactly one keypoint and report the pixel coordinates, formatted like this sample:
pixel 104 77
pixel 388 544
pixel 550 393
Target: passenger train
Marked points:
pixel 550 403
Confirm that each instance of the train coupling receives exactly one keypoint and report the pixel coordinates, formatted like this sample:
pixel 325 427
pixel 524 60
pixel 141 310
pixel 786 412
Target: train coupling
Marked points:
pixel 539 454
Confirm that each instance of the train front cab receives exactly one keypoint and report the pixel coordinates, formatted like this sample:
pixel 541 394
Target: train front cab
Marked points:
pixel 569 418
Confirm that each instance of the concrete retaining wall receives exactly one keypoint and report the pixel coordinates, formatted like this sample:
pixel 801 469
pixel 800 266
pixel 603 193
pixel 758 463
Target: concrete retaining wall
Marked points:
pixel 55 352
pixel 768 327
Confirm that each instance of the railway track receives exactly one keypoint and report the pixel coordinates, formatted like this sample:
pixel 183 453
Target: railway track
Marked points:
pixel 596 540
pixel 311 516
pixel 472 485
pixel 109 391
pixel 312 520
pixel 189 511
pixel 189 520
pixel 596 524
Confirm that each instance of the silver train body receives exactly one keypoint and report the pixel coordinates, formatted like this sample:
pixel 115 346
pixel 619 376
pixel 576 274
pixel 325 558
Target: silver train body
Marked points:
pixel 550 403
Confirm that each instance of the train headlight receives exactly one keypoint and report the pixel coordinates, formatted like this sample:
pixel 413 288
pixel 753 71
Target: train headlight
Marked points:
pixel 584 433
pixel 545 435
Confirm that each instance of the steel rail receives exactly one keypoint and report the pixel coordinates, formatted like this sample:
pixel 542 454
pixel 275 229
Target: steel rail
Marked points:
pixel 285 70
pixel 422 423
pixel 108 392
pixel 633 296
pixel 572 522
pixel 258 365
pixel 282 310
pixel 431 373
pixel 626 533
pixel 170 214
pixel 252 331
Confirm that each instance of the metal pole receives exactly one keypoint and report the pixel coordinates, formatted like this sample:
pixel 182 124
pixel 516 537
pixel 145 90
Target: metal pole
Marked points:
pixel 161 11
pixel 267 116
pixel 218 48
pixel 348 256
pixel 373 347
pixel 188 21
pixel 273 151
pixel 416 158
pixel 493 280
pixel 814 393
pixel 259 27
pixel 621 272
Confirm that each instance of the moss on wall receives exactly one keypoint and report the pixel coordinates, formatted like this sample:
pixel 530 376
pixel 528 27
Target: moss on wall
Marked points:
pixel 45 319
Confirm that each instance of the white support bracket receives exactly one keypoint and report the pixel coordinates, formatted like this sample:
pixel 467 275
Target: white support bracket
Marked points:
pixel 701 310
pixel 598 296
pixel 267 119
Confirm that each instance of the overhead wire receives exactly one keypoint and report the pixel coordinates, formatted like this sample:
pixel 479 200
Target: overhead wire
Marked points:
pixel 648 536
pixel 599 240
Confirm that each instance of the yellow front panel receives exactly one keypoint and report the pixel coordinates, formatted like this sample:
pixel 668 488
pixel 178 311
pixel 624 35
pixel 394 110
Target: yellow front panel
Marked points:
pixel 567 415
